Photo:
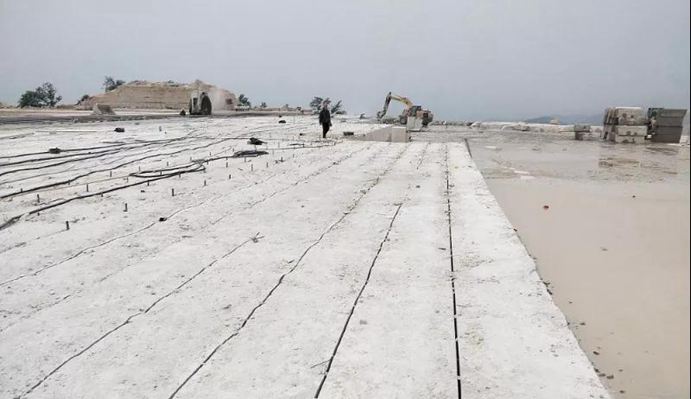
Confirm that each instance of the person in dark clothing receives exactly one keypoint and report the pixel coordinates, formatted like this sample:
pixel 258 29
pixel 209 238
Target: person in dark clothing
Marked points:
pixel 325 119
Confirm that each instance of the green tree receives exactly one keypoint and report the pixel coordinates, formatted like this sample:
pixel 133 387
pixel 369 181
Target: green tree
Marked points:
pixel 84 98
pixel 110 84
pixel 43 96
pixel 316 102
pixel 244 101
pixel 30 99
pixel 263 105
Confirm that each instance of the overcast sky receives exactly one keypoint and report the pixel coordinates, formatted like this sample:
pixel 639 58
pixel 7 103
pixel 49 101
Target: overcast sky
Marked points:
pixel 463 59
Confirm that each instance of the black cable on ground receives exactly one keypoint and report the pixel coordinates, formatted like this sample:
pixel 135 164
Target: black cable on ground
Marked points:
pixel 87 155
pixel 97 155
pixel 150 175
pixel 11 221
pixel 32 160
pixel 117 157
pixel 248 153
pixel 59 150
pixel 73 179
pixel 169 172
pixel 79 149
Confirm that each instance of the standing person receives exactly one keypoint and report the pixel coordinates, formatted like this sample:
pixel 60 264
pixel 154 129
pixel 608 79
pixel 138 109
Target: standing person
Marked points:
pixel 325 119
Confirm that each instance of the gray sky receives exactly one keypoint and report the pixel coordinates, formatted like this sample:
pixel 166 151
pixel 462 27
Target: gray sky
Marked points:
pixel 472 59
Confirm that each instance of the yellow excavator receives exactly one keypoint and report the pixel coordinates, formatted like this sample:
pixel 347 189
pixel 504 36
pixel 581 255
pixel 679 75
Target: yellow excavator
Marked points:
pixel 410 110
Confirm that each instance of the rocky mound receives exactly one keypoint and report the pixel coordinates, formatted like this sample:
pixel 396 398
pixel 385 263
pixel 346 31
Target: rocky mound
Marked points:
pixel 140 94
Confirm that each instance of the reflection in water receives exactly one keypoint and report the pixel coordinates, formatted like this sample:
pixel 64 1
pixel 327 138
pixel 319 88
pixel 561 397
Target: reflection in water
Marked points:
pixel 663 150
pixel 650 161
pixel 610 162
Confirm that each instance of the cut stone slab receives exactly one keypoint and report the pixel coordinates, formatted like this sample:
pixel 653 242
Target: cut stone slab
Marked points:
pixel 400 341
pixel 513 340
pixel 623 130
pixel 394 134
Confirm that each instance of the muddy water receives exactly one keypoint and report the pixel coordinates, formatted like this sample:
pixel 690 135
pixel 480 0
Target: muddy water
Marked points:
pixel 618 269
pixel 613 246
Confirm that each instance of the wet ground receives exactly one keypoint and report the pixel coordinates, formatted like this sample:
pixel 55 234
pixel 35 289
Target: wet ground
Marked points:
pixel 608 226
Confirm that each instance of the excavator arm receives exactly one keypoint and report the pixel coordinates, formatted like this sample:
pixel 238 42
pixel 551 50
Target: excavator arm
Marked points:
pixel 405 100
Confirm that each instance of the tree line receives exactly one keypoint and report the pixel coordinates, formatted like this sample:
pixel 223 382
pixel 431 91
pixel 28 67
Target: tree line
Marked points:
pixel 46 95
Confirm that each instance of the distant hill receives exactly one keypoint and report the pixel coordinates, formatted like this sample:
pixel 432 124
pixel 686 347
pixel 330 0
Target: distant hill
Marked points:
pixel 539 119
pixel 593 119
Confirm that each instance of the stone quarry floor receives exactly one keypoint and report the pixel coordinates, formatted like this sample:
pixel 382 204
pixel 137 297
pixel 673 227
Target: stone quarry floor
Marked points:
pixel 333 269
